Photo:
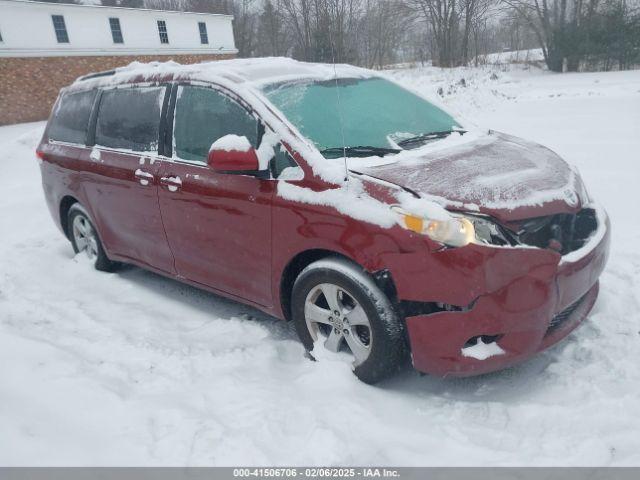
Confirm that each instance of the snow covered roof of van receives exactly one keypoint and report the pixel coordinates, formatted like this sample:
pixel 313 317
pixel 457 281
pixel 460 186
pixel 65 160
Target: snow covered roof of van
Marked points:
pixel 255 71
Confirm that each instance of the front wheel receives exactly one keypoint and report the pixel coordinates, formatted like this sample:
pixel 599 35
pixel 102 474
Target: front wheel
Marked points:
pixel 85 240
pixel 336 302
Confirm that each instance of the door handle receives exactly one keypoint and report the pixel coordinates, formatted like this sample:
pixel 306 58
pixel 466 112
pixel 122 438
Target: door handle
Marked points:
pixel 172 183
pixel 144 177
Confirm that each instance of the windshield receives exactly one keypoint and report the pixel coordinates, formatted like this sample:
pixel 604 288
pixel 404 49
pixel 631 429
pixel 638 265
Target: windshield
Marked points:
pixel 374 112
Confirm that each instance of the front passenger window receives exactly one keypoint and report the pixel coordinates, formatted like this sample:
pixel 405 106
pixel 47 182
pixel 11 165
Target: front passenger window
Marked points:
pixel 202 116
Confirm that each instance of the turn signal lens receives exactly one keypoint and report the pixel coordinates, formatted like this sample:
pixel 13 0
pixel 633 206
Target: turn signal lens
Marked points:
pixel 415 224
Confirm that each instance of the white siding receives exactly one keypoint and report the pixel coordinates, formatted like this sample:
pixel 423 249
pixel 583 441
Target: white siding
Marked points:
pixel 27 31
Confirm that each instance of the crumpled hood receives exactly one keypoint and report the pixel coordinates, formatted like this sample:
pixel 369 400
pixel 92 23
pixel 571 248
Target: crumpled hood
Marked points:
pixel 497 174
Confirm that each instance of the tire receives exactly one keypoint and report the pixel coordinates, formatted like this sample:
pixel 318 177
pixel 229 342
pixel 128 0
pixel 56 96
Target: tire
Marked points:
pixel 385 350
pixel 84 238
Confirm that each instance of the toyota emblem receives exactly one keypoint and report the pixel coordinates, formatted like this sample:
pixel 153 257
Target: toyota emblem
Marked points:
pixel 571 198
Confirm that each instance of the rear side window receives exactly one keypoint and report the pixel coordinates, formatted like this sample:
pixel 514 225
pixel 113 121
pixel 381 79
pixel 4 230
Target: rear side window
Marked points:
pixel 70 118
pixel 129 118
pixel 202 116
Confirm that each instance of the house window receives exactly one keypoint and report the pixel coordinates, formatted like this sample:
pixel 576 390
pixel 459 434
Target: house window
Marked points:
pixel 116 31
pixel 60 28
pixel 162 30
pixel 204 38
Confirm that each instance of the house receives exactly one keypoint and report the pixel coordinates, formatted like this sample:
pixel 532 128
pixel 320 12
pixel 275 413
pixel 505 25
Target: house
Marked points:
pixel 45 46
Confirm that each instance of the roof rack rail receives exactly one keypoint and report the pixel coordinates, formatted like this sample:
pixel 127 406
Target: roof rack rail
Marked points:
pixel 106 73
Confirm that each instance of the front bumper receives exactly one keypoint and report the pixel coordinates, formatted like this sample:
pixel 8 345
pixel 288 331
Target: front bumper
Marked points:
pixel 527 298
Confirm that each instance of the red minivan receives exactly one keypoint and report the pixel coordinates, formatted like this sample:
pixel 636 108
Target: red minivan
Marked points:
pixel 332 197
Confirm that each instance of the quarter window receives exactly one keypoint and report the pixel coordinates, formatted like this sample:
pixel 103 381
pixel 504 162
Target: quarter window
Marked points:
pixel 60 28
pixel 202 116
pixel 282 161
pixel 162 31
pixel 70 117
pixel 202 28
pixel 129 118
pixel 116 31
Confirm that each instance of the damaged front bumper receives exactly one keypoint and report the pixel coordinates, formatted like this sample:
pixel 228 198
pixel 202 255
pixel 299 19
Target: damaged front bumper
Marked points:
pixel 519 301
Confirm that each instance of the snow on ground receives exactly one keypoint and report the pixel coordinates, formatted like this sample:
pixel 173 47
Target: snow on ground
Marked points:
pixel 514 56
pixel 134 369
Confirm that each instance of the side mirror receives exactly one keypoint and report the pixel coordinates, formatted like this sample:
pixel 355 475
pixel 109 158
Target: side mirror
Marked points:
pixel 233 154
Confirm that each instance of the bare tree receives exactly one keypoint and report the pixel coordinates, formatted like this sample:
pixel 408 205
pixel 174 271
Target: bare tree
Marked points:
pixel 244 26
pixel 272 34
pixel 454 25
pixel 557 25
pixel 381 30
pixel 474 13
pixel 208 6
pixel 442 16
pixel 572 33
pixel 177 5
pixel 323 30
pixel 298 16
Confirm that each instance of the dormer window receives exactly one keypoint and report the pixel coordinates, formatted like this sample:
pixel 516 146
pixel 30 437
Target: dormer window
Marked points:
pixel 162 31
pixel 116 31
pixel 204 37
pixel 60 28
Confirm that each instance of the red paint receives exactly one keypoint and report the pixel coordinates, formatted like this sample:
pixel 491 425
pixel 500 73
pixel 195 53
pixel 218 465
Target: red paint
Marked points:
pixel 218 226
pixel 519 309
pixel 125 210
pixel 233 160
pixel 233 235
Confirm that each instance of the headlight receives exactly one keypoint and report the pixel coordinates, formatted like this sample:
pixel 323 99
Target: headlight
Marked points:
pixel 488 232
pixel 457 231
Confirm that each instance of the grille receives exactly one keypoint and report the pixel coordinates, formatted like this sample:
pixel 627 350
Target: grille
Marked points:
pixel 560 318
pixel 563 232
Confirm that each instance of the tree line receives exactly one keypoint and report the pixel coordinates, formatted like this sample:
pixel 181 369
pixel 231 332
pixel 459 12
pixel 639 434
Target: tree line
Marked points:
pixel 573 34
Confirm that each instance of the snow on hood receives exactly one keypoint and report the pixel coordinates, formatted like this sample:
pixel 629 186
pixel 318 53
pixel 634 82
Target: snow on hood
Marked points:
pixel 494 173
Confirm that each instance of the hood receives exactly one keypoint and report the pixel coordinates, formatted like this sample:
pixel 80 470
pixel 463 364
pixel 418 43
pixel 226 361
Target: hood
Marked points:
pixel 496 174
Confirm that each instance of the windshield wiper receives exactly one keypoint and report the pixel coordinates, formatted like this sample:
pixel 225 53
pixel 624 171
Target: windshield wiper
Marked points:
pixel 428 136
pixel 360 151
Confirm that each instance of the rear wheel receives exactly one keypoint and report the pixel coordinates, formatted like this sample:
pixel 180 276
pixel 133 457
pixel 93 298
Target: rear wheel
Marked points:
pixel 85 240
pixel 336 304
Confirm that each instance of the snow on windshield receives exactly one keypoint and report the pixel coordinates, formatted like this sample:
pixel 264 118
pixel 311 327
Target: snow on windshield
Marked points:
pixel 356 112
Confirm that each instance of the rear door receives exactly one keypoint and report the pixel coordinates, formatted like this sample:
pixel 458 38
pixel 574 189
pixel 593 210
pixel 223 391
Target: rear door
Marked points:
pixel 218 225
pixel 123 164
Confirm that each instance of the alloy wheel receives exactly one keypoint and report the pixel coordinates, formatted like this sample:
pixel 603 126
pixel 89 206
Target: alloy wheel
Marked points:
pixel 85 236
pixel 333 314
